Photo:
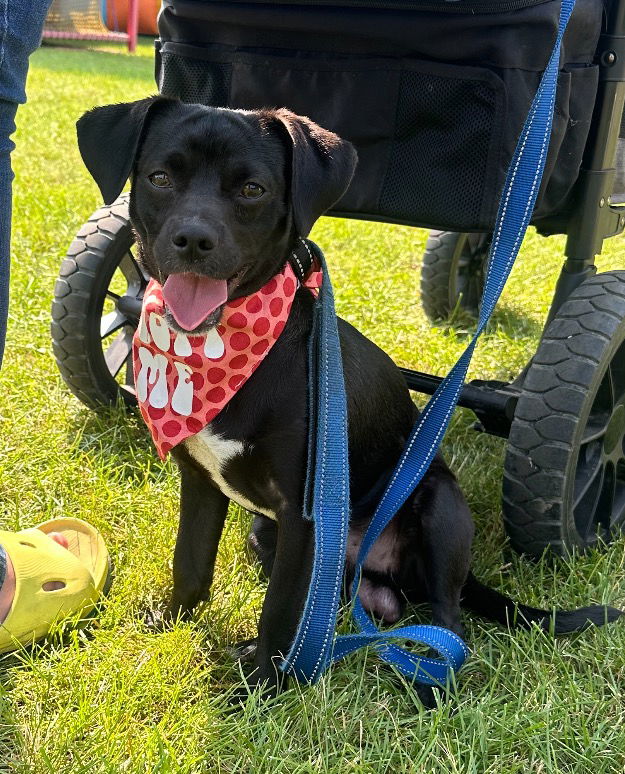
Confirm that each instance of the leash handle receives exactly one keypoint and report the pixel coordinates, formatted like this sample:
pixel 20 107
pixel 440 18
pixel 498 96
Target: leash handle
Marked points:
pixel 312 648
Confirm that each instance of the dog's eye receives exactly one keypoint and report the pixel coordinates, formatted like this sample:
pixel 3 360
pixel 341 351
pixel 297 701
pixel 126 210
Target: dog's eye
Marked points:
pixel 252 191
pixel 159 180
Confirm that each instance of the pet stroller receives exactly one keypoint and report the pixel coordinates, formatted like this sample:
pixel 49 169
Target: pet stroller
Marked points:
pixel 433 93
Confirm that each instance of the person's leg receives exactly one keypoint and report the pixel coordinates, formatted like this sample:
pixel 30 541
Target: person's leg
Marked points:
pixel 20 34
pixel 21 23
pixel 7 584
pixel 7 114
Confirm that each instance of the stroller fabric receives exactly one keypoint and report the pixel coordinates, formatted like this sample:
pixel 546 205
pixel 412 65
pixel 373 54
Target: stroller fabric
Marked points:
pixel 432 94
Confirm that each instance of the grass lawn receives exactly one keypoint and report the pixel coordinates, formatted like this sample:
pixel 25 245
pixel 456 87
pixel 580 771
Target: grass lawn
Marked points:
pixel 118 697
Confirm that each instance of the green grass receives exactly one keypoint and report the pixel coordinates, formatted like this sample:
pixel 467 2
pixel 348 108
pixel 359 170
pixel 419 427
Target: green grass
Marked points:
pixel 117 697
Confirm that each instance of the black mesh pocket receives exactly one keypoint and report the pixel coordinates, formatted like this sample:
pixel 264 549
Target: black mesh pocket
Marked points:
pixel 193 79
pixel 447 136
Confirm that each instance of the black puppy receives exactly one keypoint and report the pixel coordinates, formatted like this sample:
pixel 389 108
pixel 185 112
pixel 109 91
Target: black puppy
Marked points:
pixel 227 195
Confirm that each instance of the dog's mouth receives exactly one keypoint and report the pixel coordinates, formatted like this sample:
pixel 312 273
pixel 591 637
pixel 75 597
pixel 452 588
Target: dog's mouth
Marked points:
pixel 194 300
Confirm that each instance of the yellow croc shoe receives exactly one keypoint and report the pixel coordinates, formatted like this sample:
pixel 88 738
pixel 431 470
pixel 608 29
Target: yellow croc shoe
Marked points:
pixel 82 568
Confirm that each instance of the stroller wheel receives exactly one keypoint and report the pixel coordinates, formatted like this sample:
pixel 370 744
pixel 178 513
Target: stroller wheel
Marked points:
pixel 96 307
pixel 564 477
pixel 453 273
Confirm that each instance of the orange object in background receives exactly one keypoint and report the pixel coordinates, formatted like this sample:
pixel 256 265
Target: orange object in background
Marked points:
pixel 117 15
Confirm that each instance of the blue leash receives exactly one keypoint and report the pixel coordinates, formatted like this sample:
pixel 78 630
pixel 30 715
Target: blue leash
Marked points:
pixel 315 647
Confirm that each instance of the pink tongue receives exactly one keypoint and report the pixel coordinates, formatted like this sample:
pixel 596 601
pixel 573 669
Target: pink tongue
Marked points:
pixel 192 297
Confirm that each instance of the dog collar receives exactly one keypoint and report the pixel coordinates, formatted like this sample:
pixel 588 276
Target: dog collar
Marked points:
pixel 183 381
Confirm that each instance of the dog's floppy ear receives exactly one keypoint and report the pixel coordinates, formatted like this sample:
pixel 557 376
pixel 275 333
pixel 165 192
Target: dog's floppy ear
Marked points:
pixel 108 139
pixel 322 166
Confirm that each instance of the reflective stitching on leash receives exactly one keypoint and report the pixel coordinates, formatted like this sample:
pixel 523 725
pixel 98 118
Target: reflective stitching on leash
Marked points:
pixel 330 623
pixel 315 580
pixel 426 638
pixel 437 646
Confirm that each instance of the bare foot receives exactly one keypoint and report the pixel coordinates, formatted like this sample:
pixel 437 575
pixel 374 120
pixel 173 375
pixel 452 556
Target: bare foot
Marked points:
pixel 7 590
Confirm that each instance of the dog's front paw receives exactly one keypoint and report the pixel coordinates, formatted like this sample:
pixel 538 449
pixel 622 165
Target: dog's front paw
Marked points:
pixel 160 620
pixel 244 651
pixel 264 691
pixel 157 620
pixel 427 695
pixel 265 682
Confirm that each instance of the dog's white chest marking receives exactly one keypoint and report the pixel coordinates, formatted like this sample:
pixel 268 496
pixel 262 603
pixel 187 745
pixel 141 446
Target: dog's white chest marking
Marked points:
pixel 212 451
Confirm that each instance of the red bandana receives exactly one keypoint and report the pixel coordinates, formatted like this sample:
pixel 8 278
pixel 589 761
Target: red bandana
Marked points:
pixel 183 381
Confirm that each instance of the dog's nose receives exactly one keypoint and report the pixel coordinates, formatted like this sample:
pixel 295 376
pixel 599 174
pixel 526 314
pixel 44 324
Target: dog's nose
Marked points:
pixel 193 241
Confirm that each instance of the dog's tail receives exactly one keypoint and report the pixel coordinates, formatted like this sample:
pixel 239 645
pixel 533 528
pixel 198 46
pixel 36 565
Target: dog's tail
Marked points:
pixel 498 607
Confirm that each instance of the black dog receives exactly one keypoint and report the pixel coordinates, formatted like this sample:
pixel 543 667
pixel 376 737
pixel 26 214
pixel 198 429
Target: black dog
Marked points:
pixel 228 194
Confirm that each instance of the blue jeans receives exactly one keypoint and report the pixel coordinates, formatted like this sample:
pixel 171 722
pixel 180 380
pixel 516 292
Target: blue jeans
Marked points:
pixel 21 22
